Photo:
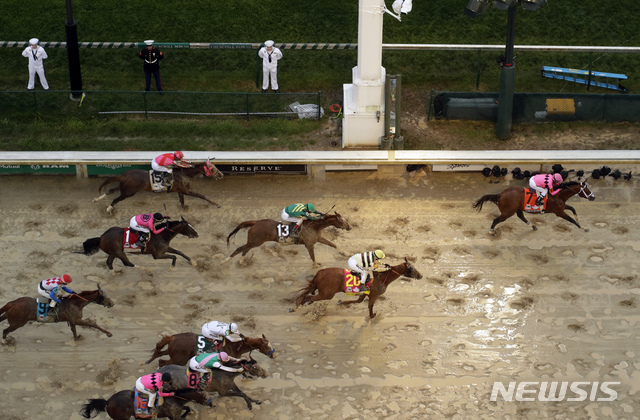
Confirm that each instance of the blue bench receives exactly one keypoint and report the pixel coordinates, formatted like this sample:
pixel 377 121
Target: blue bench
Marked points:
pixel 570 75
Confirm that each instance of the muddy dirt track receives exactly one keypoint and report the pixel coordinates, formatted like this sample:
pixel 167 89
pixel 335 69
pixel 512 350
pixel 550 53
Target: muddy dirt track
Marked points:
pixel 557 304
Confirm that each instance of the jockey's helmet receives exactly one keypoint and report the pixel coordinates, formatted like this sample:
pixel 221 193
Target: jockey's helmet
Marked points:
pixel 557 178
pixel 158 216
pixel 379 254
pixel 224 356
pixel 66 278
pixel 233 327
pixel 166 377
pixel 178 155
pixel 311 207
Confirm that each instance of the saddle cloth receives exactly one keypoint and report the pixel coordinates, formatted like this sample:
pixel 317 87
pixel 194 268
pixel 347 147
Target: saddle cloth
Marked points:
pixel 141 405
pixel 156 179
pixel 42 313
pixel 129 240
pixel 286 233
pixel 206 346
pixel 530 198
pixel 352 283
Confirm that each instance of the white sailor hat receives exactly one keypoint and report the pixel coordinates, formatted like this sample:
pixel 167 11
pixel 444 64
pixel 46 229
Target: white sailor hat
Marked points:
pixel 149 42
pixel 34 41
pixel 268 43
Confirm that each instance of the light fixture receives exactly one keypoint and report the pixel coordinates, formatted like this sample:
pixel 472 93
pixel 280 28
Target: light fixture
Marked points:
pixel 503 4
pixel 475 8
pixel 533 5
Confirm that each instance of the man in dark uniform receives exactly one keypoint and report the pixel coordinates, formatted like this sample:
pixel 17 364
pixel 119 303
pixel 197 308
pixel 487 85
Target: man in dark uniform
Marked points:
pixel 151 55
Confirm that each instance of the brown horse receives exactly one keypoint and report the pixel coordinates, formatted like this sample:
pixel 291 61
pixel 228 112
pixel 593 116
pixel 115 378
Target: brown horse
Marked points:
pixel 22 310
pixel 120 406
pixel 136 180
pixel 265 230
pixel 221 381
pixel 158 246
pixel 330 281
pixel 511 201
pixel 182 347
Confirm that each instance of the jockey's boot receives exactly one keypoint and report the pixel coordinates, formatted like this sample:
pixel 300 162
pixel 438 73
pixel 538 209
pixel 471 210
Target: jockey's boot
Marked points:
pixel 168 178
pixel 52 304
pixel 142 239
pixel 365 285
pixel 202 385
pixel 539 201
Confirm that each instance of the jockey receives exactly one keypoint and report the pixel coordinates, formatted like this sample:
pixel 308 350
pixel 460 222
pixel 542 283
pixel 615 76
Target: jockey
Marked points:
pixel 205 361
pixel 367 260
pixel 218 331
pixel 145 223
pixel 49 288
pixel 298 212
pixel 544 183
pixel 153 385
pixel 166 162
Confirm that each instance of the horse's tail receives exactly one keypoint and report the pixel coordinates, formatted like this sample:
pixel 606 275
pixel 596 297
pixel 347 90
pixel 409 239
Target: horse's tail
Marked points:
pixel 109 180
pixel 91 246
pixel 489 197
pixel 242 225
pixel 312 286
pixel 157 352
pixel 98 405
pixel 3 311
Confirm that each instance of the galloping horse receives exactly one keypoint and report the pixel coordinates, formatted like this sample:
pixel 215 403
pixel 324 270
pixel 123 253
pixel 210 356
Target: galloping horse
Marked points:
pixel 511 201
pixel 136 180
pixel 265 230
pixel 182 347
pixel 22 310
pixel 111 242
pixel 330 281
pixel 120 406
pixel 221 381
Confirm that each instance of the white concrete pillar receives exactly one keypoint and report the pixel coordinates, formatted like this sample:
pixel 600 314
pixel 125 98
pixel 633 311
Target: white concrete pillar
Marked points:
pixel 363 121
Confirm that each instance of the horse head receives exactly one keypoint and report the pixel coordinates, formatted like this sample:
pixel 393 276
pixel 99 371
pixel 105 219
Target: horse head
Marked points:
pixel 410 271
pixel 211 170
pixel 338 221
pixel 264 346
pixel 585 192
pixel 97 296
pixel 182 227
pixel 254 368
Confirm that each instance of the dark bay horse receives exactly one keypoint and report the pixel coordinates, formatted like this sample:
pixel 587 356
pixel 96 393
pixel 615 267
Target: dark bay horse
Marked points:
pixel 136 180
pixel 221 381
pixel 265 230
pixel 330 281
pixel 158 246
pixel 22 310
pixel 182 347
pixel 120 406
pixel 511 201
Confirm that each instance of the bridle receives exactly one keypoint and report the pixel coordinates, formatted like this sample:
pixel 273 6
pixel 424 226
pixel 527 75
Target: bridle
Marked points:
pixel 583 188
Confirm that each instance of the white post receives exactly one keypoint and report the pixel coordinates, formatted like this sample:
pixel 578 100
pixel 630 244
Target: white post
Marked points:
pixel 363 121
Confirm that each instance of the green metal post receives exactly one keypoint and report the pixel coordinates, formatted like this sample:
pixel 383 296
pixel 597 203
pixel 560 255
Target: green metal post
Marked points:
pixel 590 63
pixel 507 81
pixel 479 70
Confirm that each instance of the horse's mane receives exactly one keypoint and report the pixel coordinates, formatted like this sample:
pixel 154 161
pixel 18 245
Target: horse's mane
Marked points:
pixel 568 184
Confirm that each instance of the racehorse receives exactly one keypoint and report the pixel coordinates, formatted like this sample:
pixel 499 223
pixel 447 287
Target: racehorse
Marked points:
pixel 22 310
pixel 111 242
pixel 136 180
pixel 182 347
pixel 511 201
pixel 261 231
pixel 221 381
pixel 330 281
pixel 120 406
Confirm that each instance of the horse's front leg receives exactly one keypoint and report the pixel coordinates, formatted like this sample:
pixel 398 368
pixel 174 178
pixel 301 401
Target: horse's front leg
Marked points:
pixel 165 257
pixel 331 244
pixel 312 254
pixel 349 302
pixel 568 218
pixel 236 392
pixel 186 257
pixel 87 323
pixel 571 209
pixel 203 197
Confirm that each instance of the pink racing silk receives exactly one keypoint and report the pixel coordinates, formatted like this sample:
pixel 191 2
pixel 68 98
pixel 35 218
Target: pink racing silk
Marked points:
pixel 152 381
pixel 166 159
pixel 146 220
pixel 544 181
